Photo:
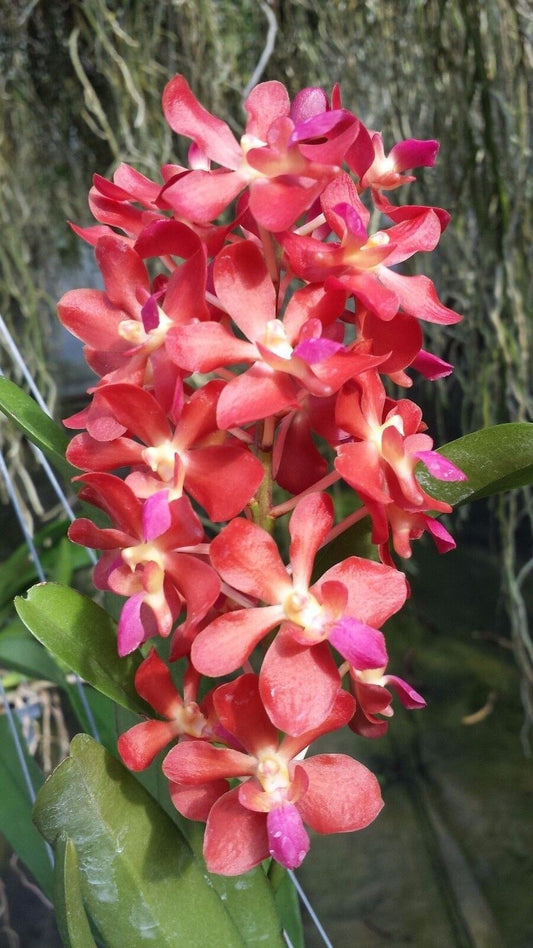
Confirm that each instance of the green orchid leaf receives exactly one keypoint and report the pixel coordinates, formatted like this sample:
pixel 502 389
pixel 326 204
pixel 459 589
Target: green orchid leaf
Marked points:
pixel 20 652
pixel 99 720
pixel 494 459
pixel 71 916
pixel 68 557
pixel 248 898
pixel 16 806
pixel 42 430
pixel 140 881
pixel 81 634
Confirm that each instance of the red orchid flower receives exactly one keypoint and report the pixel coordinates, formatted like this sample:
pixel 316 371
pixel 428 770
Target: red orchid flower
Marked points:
pixel 141 743
pixel 299 678
pixel 386 171
pixel 283 160
pixel 373 698
pixel 265 814
pixel 362 262
pixel 388 443
pixel 390 521
pixel 288 355
pixel 149 558
pixel 174 456
pixel 288 316
pixel 125 326
pixel 133 203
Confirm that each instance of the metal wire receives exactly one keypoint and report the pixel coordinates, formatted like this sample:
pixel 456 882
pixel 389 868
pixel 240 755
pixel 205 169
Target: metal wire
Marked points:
pixel 19 362
pixel 307 904
pixel 267 50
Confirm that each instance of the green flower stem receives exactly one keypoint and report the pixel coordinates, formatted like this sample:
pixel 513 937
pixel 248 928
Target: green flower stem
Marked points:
pixel 276 874
pixel 261 506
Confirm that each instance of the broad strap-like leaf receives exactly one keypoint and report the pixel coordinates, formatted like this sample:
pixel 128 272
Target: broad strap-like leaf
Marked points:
pixel 82 635
pixel 71 916
pixel 494 459
pixel 36 424
pixel 139 879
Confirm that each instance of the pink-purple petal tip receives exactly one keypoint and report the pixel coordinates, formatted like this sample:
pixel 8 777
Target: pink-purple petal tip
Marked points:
pixel 288 841
pixel 441 467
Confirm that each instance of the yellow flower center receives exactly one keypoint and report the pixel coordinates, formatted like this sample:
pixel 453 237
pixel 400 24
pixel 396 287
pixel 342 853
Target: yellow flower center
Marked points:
pixel 377 431
pixel 303 609
pixel 191 720
pixel 133 331
pixel 379 239
pixel 275 339
pixel 144 553
pixel 272 772
pixel 161 460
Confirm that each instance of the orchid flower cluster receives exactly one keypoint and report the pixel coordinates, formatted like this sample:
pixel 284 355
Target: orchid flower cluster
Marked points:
pixel 251 317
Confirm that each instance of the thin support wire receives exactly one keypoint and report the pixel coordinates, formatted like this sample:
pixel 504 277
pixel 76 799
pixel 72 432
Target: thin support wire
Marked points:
pixel 87 708
pixel 19 362
pixel 310 909
pixel 56 486
pixel 16 356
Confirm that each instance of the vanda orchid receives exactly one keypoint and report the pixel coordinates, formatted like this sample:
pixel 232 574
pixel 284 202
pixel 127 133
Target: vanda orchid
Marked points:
pixel 254 343
pixel 250 324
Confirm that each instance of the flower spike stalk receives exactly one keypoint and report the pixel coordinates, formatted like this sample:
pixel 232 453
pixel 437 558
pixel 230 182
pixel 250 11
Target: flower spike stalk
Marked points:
pixel 243 370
